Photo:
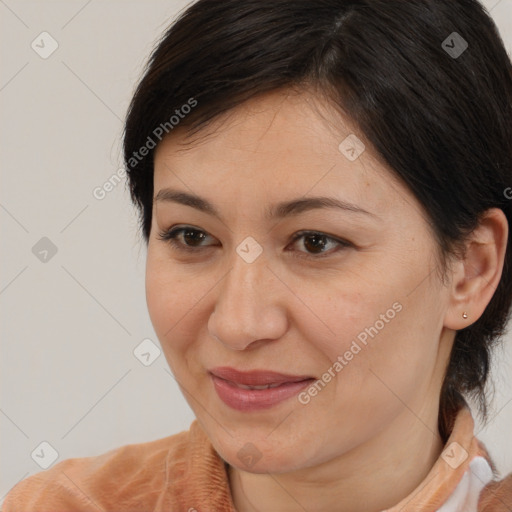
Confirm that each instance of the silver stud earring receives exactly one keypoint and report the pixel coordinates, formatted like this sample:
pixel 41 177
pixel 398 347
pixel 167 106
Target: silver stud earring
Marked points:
pixel 464 315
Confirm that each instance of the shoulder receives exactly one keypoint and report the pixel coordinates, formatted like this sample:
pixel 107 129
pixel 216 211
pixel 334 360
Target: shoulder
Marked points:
pixel 127 478
pixel 497 496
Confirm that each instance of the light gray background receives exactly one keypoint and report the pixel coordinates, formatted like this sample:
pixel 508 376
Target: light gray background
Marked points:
pixel 70 324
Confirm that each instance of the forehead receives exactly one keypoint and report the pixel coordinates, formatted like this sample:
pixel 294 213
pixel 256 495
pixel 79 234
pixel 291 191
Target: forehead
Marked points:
pixel 281 144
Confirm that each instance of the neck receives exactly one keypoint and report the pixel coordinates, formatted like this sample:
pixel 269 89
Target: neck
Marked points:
pixel 371 477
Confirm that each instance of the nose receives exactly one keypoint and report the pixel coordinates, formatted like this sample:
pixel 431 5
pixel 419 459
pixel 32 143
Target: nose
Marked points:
pixel 249 306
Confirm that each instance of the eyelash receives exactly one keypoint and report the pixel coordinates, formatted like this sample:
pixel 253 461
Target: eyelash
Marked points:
pixel 170 237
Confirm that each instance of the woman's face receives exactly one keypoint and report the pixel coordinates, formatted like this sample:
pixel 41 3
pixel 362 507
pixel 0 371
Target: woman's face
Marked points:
pixel 355 304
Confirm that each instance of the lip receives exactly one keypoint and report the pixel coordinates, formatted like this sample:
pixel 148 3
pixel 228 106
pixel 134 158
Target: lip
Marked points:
pixel 227 382
pixel 255 377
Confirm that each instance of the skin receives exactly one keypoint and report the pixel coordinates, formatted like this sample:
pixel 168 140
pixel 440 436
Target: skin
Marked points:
pixel 370 436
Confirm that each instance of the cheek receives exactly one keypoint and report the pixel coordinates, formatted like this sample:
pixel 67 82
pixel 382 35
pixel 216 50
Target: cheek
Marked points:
pixel 354 314
pixel 377 328
pixel 157 297
pixel 388 361
pixel 166 296
pixel 175 296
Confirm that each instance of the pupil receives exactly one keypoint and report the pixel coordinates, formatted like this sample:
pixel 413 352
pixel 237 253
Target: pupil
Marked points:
pixel 188 235
pixel 316 242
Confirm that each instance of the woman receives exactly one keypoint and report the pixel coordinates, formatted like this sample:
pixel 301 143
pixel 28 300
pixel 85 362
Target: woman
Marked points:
pixel 323 193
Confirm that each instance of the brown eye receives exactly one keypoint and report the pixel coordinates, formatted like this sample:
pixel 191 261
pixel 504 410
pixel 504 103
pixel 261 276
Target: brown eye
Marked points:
pixel 315 244
pixel 193 237
pixel 185 238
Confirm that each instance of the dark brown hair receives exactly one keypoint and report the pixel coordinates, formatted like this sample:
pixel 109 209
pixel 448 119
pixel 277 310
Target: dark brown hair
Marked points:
pixel 438 113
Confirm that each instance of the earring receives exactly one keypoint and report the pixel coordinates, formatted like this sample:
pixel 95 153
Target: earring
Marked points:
pixel 464 315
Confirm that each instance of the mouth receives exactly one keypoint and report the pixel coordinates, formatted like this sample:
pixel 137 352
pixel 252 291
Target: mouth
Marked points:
pixel 256 378
pixel 265 386
pixel 257 389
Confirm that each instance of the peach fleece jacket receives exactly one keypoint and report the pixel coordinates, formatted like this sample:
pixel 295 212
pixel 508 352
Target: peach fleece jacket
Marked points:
pixel 183 473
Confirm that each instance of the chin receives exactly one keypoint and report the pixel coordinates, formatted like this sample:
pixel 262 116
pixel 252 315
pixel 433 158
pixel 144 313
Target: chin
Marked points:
pixel 268 463
pixel 261 456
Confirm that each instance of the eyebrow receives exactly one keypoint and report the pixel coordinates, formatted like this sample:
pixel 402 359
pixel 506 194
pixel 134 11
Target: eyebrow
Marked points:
pixel 276 211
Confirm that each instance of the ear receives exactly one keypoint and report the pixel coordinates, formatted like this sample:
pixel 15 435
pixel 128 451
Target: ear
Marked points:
pixel 476 276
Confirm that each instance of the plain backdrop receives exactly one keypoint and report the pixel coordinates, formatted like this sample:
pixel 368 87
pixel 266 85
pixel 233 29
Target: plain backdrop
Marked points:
pixel 72 292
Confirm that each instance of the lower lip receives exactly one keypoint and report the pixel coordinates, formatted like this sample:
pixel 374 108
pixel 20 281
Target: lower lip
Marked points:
pixel 256 399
